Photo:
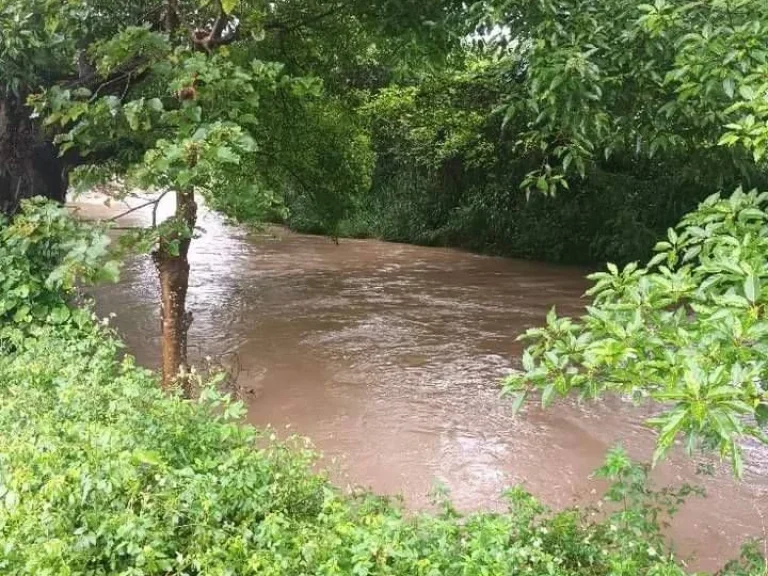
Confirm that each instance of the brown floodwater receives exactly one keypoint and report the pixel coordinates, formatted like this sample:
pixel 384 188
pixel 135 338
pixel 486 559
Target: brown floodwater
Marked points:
pixel 388 357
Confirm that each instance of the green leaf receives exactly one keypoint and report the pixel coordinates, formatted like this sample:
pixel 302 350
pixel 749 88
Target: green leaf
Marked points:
pixel 193 113
pixel 528 362
pixel 672 235
pixel 752 288
pixel 60 314
pixel 21 314
pixel 147 457
pixel 155 104
pixel 552 316
pixel 672 425
pixel 229 5
pixel 728 86
pixel 226 155
pixel 736 460
pixel 11 500
pixel 746 92
pixel 548 395
pixel 111 271
pixel 518 402
pixel 133 121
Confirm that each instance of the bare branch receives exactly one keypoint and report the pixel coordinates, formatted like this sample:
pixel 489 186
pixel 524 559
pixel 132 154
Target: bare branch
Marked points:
pixel 308 21
pixel 155 207
pixel 127 86
pixel 154 202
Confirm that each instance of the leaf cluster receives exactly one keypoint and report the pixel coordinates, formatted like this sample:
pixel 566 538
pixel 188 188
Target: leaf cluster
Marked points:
pixel 638 78
pixel 44 254
pixel 687 331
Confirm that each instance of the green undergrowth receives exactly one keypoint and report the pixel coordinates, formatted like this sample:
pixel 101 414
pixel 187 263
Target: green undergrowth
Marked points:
pixel 102 473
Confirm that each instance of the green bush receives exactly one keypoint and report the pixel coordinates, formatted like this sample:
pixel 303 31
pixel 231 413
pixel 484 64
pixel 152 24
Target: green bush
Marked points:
pixel 42 253
pixel 102 473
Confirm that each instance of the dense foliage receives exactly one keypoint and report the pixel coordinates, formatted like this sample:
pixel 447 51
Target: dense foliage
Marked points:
pixel 42 254
pixel 645 79
pixel 688 331
pixel 430 121
pixel 120 83
pixel 102 473
pixel 244 102
pixel 449 172
pixel 630 112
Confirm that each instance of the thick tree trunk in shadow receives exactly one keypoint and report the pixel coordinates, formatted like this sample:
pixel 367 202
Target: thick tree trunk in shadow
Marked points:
pixel 29 165
pixel 173 272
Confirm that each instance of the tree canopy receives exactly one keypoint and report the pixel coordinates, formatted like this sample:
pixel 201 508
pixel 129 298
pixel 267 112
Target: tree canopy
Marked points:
pixel 238 101
pixel 645 79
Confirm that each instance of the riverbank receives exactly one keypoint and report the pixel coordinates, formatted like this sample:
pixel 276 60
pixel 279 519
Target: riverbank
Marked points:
pixel 104 473
pixel 389 356
pixel 587 226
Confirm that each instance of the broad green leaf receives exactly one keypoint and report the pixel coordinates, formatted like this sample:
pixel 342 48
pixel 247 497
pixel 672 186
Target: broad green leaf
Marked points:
pixel 752 288
pixel 60 314
pixel 226 155
pixel 21 314
pixel 728 86
pixel 746 92
pixel 155 104
pixel 229 5
pixel 518 402
pixel 528 362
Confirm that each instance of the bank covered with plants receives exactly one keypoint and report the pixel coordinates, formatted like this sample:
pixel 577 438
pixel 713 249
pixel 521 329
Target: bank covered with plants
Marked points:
pixel 103 472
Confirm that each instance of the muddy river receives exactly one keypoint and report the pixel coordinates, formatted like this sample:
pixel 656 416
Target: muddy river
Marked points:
pixel 388 357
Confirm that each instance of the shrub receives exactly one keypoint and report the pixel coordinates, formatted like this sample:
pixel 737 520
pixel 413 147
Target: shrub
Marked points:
pixel 42 254
pixel 102 473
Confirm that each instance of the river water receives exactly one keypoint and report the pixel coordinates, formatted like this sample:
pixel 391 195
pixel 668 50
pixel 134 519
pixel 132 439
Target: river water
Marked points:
pixel 388 357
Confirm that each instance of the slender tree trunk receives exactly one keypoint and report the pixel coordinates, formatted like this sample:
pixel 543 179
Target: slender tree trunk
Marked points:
pixel 29 164
pixel 173 271
pixel 171 15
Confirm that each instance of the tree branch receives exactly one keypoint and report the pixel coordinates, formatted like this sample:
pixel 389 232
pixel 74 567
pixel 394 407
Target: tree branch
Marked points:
pixel 288 28
pixel 222 31
pixel 172 15
pixel 154 202
pixel 219 24
pixel 155 207
pixel 132 70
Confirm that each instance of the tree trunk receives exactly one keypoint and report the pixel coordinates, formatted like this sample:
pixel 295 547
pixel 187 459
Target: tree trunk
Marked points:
pixel 29 165
pixel 173 271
